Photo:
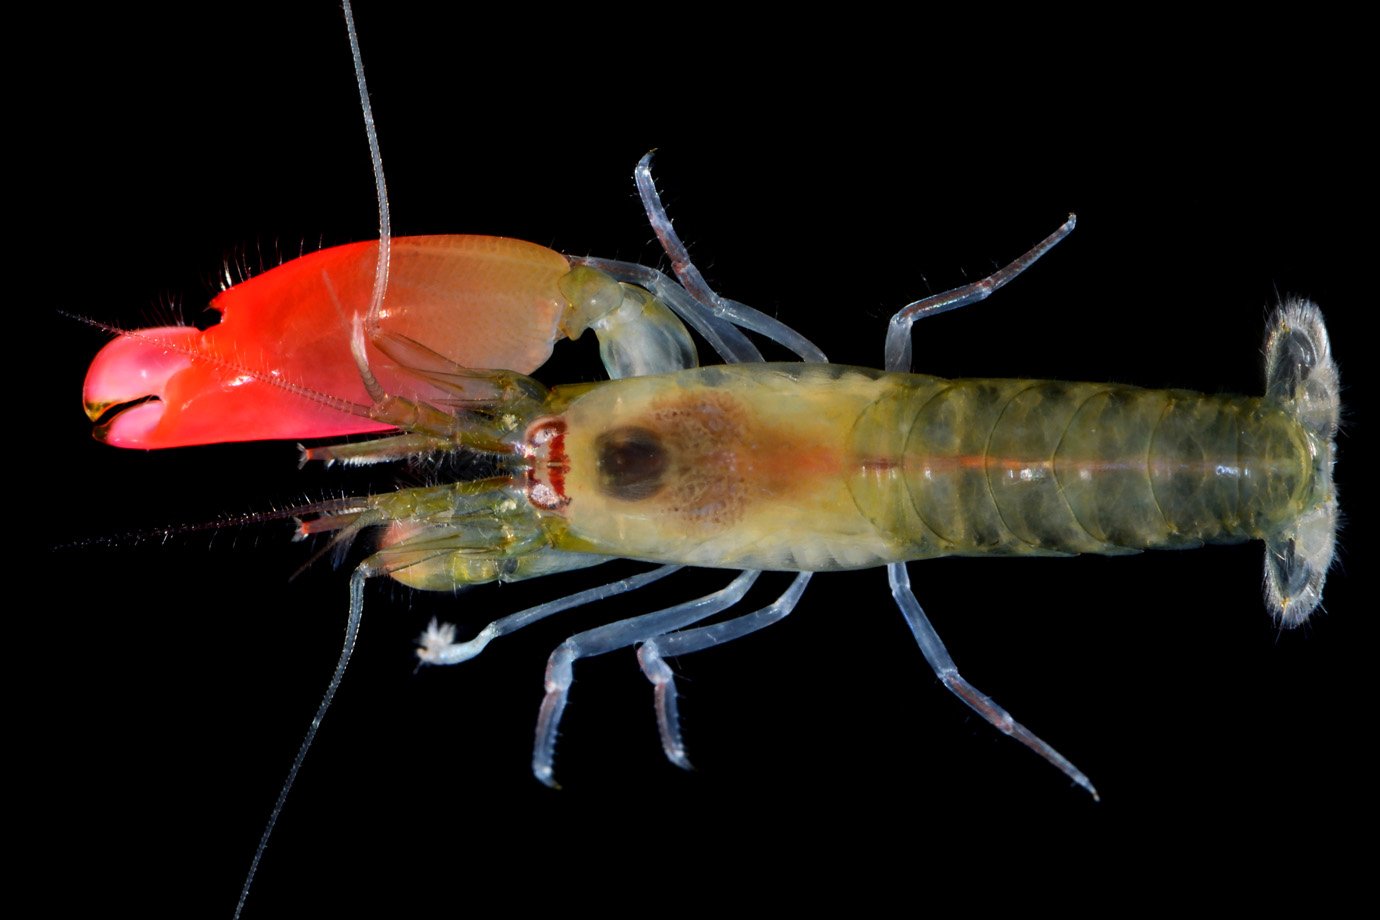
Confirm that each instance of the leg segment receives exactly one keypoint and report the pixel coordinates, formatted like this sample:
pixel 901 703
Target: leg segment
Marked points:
pixel 652 654
pixel 690 278
pixel 898 334
pixel 725 338
pixel 438 645
pixel 560 667
pixel 932 647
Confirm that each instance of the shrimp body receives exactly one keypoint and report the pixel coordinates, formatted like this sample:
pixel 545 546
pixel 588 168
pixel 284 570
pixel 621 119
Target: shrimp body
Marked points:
pixel 801 467
pixel 811 468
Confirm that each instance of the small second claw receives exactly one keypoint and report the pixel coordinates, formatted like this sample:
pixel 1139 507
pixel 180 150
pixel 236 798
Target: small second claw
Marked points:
pixel 435 642
pixel 678 757
pixel 546 775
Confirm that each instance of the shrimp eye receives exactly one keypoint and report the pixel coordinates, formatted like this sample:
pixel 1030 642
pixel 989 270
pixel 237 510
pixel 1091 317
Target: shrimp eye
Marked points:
pixel 631 462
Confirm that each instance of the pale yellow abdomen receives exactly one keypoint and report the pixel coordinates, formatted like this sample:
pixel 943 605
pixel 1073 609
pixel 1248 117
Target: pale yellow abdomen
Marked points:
pixel 817 467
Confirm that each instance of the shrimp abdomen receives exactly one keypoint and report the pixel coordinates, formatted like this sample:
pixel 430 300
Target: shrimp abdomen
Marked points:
pixel 1022 467
pixel 807 467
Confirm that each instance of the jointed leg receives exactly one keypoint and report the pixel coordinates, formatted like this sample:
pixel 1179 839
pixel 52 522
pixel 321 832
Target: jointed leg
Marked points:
pixel 560 668
pixel 652 654
pixel 898 334
pixel 690 278
pixel 438 645
pixel 944 668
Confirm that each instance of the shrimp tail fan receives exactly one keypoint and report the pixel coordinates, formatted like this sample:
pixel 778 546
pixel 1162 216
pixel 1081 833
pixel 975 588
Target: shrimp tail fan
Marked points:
pixel 1301 378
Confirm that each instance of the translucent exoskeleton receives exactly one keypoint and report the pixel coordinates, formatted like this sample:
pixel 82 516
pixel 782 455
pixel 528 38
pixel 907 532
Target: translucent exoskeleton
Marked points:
pixel 809 712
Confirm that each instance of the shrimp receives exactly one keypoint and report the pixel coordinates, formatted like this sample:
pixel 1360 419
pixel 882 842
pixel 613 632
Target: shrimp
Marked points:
pixel 1126 681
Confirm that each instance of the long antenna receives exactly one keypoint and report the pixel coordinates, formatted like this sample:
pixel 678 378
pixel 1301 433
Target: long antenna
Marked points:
pixel 357 580
pixel 380 185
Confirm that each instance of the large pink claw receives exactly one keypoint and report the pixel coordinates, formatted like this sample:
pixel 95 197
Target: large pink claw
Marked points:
pixel 278 365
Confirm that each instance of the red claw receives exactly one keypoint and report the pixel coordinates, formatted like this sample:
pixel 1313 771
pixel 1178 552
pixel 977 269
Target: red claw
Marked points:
pixel 278 364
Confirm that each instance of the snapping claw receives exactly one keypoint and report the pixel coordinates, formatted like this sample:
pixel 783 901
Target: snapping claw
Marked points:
pixel 175 386
pixel 279 363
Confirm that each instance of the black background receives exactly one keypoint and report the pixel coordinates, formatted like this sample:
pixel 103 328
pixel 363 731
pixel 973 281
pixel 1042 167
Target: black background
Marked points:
pixel 833 181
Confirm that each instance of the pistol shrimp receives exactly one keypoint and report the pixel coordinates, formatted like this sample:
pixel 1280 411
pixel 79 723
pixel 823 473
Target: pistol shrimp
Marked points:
pixel 1183 698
